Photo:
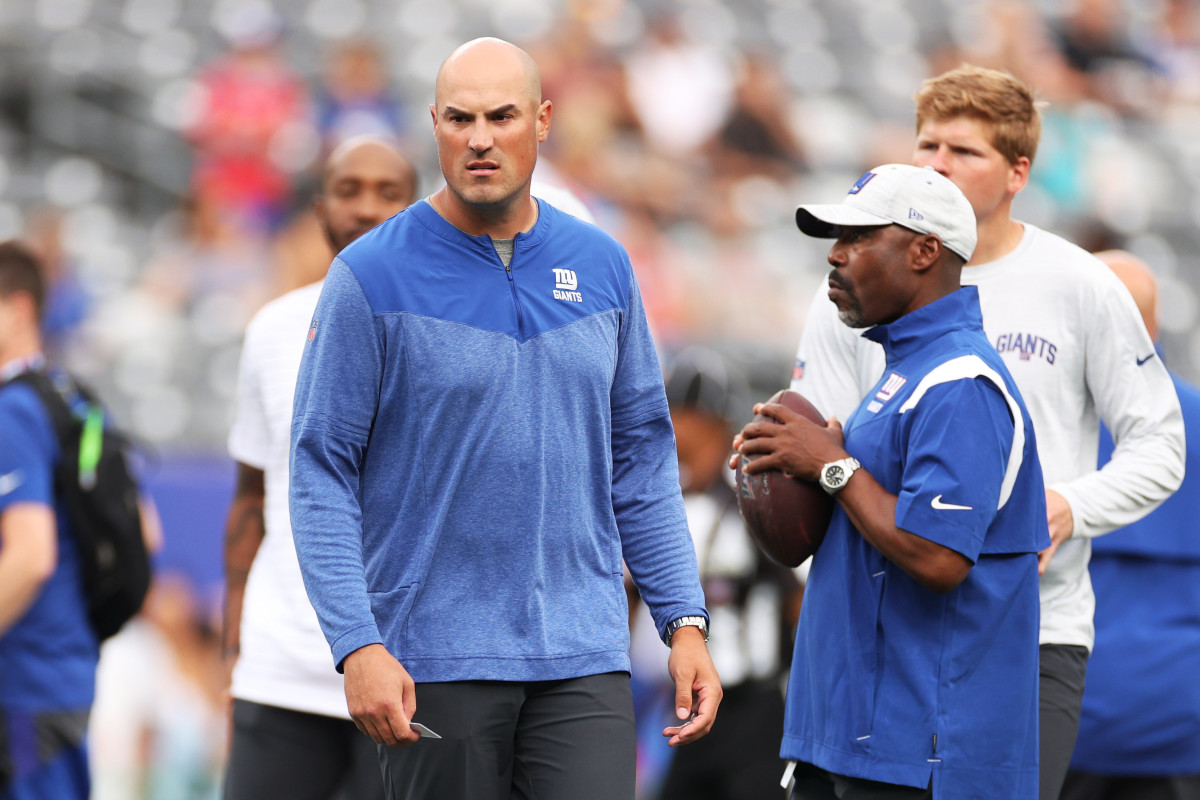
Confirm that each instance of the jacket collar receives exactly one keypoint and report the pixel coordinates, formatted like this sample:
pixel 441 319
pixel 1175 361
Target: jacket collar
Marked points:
pixel 429 216
pixel 13 368
pixel 957 311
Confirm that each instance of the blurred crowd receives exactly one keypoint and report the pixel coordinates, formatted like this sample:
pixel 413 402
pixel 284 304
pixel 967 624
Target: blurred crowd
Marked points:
pixel 161 157
pixel 688 127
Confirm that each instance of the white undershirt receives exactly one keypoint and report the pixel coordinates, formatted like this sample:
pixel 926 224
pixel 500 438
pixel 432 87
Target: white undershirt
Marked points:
pixel 285 660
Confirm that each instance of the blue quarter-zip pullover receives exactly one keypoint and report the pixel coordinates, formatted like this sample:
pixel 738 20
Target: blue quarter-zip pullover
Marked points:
pixel 476 448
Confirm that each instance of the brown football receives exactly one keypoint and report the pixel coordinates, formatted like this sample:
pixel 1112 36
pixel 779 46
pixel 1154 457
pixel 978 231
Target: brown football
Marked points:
pixel 786 516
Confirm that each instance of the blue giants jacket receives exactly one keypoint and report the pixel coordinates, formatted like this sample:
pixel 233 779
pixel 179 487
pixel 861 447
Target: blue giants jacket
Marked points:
pixel 1141 709
pixel 48 656
pixel 476 448
pixel 890 681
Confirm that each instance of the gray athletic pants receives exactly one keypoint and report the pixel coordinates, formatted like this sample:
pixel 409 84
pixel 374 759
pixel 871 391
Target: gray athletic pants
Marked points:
pixel 542 740
pixel 277 752
pixel 1060 700
pixel 1085 786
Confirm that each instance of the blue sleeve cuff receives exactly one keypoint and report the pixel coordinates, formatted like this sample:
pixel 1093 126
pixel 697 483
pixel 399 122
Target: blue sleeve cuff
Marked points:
pixel 355 639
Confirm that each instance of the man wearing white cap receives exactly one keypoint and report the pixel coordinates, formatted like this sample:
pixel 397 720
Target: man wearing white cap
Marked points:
pixel 915 671
pixel 1073 340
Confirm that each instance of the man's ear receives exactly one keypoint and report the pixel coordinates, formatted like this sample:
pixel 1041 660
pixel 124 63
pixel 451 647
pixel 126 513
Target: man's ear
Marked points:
pixel 1018 174
pixel 924 251
pixel 544 113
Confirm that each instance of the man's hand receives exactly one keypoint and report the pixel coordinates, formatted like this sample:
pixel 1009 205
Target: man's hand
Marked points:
pixel 789 442
pixel 697 686
pixel 380 695
pixel 1062 525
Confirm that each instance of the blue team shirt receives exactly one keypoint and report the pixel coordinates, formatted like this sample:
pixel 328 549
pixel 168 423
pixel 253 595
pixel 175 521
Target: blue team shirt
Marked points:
pixel 48 658
pixel 1141 708
pixel 891 681
pixel 476 448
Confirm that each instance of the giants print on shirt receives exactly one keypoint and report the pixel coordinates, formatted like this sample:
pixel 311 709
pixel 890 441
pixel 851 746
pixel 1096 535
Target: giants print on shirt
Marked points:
pixel 1027 345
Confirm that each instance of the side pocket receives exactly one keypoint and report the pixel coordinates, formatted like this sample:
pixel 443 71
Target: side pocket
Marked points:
pixel 879 646
pixel 392 610
pixel 622 603
pixel 871 661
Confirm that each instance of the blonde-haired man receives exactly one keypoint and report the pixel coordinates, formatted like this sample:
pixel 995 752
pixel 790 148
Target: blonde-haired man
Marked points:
pixel 1073 340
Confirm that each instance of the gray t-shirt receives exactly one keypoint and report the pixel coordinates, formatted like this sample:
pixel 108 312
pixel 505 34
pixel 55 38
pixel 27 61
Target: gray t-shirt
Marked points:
pixel 504 249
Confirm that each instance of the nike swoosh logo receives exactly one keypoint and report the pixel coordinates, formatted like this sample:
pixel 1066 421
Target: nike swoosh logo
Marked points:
pixel 1141 361
pixel 9 482
pixel 940 506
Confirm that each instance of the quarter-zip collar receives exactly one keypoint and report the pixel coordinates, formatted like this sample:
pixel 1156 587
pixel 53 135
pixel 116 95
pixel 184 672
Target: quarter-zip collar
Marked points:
pixel 430 218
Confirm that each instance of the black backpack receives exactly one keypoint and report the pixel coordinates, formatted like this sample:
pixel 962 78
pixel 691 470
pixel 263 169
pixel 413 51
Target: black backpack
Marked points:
pixel 94 481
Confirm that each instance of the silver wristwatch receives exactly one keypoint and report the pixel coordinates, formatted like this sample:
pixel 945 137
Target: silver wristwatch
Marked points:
pixel 684 622
pixel 835 474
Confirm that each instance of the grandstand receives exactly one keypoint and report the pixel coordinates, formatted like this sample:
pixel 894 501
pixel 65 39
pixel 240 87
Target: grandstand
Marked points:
pixel 97 99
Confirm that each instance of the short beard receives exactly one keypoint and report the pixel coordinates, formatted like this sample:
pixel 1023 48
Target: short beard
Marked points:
pixel 852 316
pixel 331 238
pixel 499 208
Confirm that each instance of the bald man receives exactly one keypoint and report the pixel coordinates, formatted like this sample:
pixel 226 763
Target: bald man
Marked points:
pixel 481 437
pixel 292 734
pixel 1139 732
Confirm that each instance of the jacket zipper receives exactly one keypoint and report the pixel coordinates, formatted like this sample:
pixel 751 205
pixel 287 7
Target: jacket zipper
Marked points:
pixel 516 301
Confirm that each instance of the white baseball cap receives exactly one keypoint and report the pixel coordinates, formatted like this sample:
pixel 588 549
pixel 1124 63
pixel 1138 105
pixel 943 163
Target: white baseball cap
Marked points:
pixel 920 199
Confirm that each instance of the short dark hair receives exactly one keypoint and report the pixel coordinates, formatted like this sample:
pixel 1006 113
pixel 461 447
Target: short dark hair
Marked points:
pixel 20 271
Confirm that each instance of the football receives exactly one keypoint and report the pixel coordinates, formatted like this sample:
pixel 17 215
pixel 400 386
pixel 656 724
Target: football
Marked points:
pixel 786 516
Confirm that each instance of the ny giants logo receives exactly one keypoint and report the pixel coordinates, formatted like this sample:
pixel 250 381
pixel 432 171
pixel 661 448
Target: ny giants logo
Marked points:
pixel 565 284
pixel 1027 346
pixel 863 181
pixel 893 384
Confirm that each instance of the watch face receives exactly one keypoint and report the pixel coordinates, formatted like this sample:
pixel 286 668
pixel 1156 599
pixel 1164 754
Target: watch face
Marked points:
pixel 835 475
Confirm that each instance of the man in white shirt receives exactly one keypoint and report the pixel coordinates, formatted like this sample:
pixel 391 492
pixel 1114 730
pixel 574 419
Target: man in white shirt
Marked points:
pixel 292 734
pixel 1074 342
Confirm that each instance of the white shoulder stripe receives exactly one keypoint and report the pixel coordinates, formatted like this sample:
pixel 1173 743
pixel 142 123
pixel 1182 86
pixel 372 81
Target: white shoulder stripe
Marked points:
pixel 969 368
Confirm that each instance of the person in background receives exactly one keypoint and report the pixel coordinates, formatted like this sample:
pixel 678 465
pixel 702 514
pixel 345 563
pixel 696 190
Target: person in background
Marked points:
pixel 159 726
pixel 48 650
pixel 68 302
pixel 1139 732
pixel 292 734
pixel 252 103
pixel 753 601
pixel 355 98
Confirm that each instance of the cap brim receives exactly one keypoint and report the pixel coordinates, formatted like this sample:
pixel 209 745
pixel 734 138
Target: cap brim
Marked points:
pixel 823 221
